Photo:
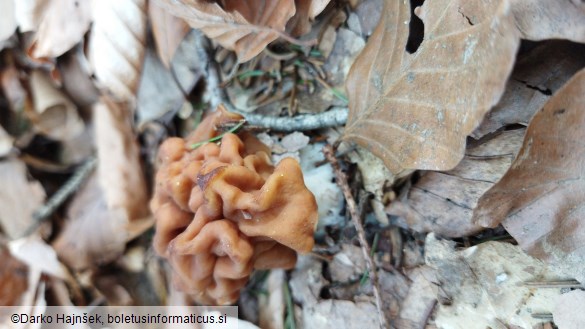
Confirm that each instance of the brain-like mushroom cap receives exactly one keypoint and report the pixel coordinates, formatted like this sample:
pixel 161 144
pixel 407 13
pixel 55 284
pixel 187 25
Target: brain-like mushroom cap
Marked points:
pixel 223 210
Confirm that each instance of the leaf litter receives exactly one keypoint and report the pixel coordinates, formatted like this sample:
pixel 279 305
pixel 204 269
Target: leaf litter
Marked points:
pixel 129 87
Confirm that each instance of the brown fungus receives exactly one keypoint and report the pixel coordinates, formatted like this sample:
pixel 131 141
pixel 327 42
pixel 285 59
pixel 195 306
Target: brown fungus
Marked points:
pixel 223 210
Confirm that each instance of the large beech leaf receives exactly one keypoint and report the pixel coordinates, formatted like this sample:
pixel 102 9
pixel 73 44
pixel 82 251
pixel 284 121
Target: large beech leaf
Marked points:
pixel 541 199
pixel 414 111
pixel 443 202
pixel 243 26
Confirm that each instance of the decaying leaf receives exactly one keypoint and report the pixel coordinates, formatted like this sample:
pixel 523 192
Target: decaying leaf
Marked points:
pixel 415 110
pixel 55 115
pixel 482 286
pixel 543 19
pixel 443 202
pixel 333 313
pixel 93 233
pixel 538 74
pixel 8 23
pixel 568 313
pixel 119 169
pixel 117 44
pixel 168 31
pixel 63 24
pixel 13 279
pixel 158 92
pixel 306 11
pixel 19 198
pixel 540 201
pixel 417 305
pixel 243 26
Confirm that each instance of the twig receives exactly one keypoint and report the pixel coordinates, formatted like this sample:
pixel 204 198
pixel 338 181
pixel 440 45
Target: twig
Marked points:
pixel 332 118
pixel 351 205
pixel 213 81
pixel 553 284
pixel 64 192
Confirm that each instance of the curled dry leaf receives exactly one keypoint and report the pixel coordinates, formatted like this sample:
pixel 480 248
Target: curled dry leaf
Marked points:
pixel 540 201
pixel 443 202
pixel 243 26
pixel 63 25
pixel 8 23
pixel 168 31
pixel 117 45
pixel 19 198
pixel 537 75
pixel 415 110
pixel 55 115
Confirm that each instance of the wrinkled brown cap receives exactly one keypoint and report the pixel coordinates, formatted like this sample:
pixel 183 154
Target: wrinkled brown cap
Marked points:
pixel 223 210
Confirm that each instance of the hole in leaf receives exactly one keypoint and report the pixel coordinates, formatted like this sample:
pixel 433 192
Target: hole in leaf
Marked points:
pixel 416 28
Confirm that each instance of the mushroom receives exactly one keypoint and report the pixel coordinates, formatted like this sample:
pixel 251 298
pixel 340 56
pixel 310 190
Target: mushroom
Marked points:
pixel 223 210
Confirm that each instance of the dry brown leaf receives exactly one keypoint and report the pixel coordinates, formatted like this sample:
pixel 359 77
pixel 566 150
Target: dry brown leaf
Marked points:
pixel 539 73
pixel 540 201
pixel 13 279
pixel 55 115
pixel 443 202
pixel 482 286
pixel 76 80
pixel 306 11
pixel 418 304
pixel 63 25
pixel 117 45
pixel 119 168
pixel 8 22
pixel 544 19
pixel 158 92
pixel 168 31
pixel 19 198
pixel 414 111
pixel 243 26
pixel 93 233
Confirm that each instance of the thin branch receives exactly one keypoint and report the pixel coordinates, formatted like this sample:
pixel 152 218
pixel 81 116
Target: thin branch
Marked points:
pixel 332 118
pixel 62 194
pixel 213 81
pixel 341 179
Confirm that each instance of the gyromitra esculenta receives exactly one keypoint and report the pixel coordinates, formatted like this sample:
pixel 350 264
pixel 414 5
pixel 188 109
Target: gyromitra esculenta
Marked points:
pixel 223 210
